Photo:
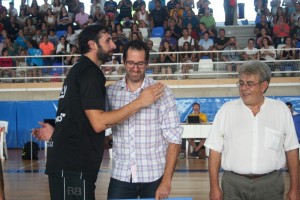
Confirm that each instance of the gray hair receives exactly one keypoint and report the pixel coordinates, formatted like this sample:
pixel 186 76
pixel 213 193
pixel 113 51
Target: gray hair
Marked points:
pixel 256 67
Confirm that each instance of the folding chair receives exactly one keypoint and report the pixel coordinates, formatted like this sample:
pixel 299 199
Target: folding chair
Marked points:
pixel 158 32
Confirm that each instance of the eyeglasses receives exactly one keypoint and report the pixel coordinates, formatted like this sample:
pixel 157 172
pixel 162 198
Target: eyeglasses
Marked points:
pixel 132 64
pixel 247 84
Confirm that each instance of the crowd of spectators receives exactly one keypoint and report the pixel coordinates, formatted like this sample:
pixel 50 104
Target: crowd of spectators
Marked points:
pixel 55 26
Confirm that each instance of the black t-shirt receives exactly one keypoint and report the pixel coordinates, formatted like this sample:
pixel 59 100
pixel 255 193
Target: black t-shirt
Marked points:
pixel 220 41
pixel 76 146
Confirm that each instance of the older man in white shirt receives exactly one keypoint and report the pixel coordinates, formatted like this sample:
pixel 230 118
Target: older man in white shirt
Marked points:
pixel 252 139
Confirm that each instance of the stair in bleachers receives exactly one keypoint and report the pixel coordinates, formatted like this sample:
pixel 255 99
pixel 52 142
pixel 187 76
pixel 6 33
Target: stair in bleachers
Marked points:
pixel 242 33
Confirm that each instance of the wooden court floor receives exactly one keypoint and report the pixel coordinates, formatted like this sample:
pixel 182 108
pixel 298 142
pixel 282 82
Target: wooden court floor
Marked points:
pixel 25 180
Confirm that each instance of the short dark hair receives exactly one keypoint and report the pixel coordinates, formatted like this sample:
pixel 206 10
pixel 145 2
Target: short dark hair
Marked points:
pixel 136 45
pixel 195 103
pixel 89 33
pixel 289 104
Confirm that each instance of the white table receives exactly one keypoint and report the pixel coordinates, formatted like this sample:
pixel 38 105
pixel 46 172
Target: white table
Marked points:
pixel 195 131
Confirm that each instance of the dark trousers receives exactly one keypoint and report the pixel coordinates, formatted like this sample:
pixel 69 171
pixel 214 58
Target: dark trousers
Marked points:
pixel 124 190
pixel 268 187
pixel 71 186
pixel 229 13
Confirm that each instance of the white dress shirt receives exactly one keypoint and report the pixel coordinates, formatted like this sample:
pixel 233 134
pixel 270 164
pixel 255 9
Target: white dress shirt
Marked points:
pixel 253 144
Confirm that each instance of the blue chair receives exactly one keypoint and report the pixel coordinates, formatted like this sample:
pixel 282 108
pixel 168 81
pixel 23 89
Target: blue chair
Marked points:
pixel 60 33
pixel 158 32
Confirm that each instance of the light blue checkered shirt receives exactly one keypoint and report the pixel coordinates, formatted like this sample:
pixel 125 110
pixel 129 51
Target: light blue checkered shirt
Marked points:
pixel 142 140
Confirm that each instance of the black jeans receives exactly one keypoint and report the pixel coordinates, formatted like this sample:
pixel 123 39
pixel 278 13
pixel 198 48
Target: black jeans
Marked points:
pixel 124 190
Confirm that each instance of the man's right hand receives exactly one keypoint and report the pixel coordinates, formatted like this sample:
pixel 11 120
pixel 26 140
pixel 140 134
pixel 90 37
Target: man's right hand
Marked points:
pixel 43 133
pixel 151 94
pixel 215 193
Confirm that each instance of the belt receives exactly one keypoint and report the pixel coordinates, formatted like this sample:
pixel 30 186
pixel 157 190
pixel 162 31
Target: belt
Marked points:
pixel 253 176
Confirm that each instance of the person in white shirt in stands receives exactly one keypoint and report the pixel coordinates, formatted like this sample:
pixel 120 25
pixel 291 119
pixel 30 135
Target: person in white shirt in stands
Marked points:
pixel 290 106
pixel 251 53
pixel 252 138
pixel 185 38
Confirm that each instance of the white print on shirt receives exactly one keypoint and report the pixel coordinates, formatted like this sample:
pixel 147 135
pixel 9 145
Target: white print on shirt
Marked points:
pixel 63 92
pixel 60 117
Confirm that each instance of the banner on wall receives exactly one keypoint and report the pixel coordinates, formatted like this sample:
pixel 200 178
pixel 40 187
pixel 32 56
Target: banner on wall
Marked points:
pixel 24 115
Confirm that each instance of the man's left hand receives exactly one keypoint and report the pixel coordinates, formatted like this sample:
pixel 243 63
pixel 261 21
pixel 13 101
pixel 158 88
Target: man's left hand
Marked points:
pixel 293 195
pixel 163 191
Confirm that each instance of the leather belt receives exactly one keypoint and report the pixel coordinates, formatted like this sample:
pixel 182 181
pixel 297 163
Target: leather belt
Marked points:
pixel 253 176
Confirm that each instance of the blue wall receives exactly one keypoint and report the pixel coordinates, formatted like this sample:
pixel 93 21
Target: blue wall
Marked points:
pixel 24 115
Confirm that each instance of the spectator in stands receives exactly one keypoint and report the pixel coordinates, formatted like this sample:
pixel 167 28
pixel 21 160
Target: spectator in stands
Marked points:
pixel 119 45
pixel 142 17
pixel 206 44
pixel 263 24
pixel 151 5
pixel 202 120
pixel 95 5
pixel 175 29
pixel 21 19
pixel 199 5
pixel 135 29
pixel 229 13
pixel 295 15
pixel 110 8
pixel 190 18
pixel 287 52
pixel 260 6
pixel 125 7
pixel 36 17
pixel 50 19
pixel 158 16
pixel 12 11
pixel 171 5
pixel 108 22
pixel 81 18
pixel 208 20
pixel 48 49
pixel 185 38
pixel 231 55
pixel 120 33
pixel 290 106
pixel 296 30
pixel 34 6
pixel 44 8
pixel 71 36
pixel 98 16
pixel 25 7
pixel 175 15
pixel 134 36
pixel 21 40
pixel 186 58
pixel 153 58
pixel 53 37
pixel 267 52
pixel 110 64
pixel 44 29
pixel 63 47
pixel 64 19
pixel 29 29
pixel 169 56
pixel 205 9
pixel 56 7
pixel 6 65
pixel 74 55
pixel 280 31
pixel 263 33
pixel 137 4
pixel 36 62
pixel 168 37
pixel 74 8
pixel 193 33
pixel 188 3
pixel 221 42
pixel 14 27
pixel 38 35
pixel 20 64
pixel 251 53
pixel 12 47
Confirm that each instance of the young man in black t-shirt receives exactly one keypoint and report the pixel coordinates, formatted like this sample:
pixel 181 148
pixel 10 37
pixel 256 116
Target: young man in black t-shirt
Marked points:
pixel 76 144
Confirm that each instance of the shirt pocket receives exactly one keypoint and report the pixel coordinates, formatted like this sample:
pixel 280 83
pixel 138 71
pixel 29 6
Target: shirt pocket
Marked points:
pixel 273 139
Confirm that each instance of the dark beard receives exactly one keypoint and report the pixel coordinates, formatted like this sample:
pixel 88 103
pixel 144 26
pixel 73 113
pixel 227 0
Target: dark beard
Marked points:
pixel 101 54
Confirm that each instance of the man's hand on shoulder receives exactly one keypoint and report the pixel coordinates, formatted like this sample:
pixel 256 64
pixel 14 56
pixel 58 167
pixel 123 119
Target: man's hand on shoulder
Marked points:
pixel 151 94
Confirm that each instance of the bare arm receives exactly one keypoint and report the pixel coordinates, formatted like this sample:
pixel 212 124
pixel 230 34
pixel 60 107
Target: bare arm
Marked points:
pixel 164 188
pixel 101 120
pixel 214 163
pixel 293 166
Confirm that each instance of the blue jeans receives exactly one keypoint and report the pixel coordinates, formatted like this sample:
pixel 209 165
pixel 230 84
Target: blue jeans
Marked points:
pixel 124 190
